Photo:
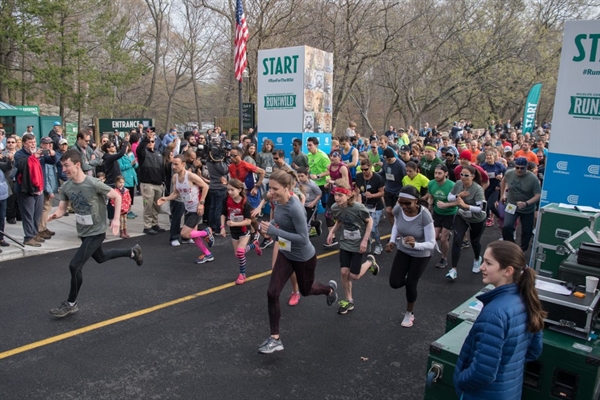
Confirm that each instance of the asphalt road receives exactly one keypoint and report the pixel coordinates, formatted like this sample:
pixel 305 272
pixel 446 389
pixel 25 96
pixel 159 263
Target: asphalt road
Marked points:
pixel 172 329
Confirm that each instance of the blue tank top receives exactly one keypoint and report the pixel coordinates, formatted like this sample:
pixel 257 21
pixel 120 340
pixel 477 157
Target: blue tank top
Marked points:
pixel 347 159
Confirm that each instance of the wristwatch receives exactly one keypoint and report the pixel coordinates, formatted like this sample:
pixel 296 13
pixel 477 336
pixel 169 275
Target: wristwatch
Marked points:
pixel 201 202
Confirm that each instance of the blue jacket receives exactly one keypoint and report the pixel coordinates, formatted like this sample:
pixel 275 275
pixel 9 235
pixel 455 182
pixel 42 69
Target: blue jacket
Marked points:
pixel 492 359
pixel 128 169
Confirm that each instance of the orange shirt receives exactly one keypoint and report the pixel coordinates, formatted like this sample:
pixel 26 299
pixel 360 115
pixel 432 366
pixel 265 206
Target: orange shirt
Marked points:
pixel 240 171
pixel 530 156
pixel 474 154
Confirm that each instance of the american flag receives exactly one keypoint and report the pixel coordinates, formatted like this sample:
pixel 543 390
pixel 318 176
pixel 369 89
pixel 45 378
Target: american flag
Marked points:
pixel 241 37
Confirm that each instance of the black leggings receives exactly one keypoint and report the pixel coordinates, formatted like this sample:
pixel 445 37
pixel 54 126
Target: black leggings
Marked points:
pixel 460 227
pixel 282 271
pixel 91 246
pixel 406 271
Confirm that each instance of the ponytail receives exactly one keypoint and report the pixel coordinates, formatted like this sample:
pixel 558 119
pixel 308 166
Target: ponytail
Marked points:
pixel 529 294
pixel 508 254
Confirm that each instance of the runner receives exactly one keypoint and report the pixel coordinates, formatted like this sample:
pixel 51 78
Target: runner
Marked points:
pixel 193 190
pixel 86 195
pixel 370 187
pixel 414 235
pixel 356 224
pixel 296 254
pixel 237 214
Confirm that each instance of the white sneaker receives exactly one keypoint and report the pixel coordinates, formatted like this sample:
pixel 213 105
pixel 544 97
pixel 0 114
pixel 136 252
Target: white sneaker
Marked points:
pixel 452 274
pixel 409 319
pixel 191 241
pixel 476 265
pixel 378 250
pixel 175 243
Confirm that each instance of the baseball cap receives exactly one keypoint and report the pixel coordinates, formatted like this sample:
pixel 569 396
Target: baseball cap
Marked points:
pixel 389 153
pixel 451 150
pixel 465 155
pixel 63 141
pixel 405 149
pixel 507 148
pixel 46 140
pixel 57 123
pixel 521 161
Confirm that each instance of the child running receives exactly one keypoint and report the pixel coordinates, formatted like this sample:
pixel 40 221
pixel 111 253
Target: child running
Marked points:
pixel 356 224
pixel 237 215
pixel 192 190
pixel 125 204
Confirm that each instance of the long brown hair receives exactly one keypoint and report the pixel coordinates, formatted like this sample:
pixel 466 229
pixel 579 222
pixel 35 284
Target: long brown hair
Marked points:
pixel 509 254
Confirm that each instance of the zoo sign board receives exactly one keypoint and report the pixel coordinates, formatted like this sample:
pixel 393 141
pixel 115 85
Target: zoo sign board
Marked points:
pixel 295 92
pixel 572 172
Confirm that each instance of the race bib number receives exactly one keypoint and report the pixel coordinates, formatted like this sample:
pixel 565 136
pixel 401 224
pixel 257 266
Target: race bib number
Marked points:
pixel 352 235
pixel 269 169
pixel 510 208
pixel 390 177
pixel 284 244
pixel 491 175
pixel 84 219
pixel 236 218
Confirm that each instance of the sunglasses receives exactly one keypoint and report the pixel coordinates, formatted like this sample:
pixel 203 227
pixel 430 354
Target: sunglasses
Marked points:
pixel 365 169
pixel 152 141
pixel 275 158
pixel 11 142
pixel 405 203
pixel 520 167
pixel 465 175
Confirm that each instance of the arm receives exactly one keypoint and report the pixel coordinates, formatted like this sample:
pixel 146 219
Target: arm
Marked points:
pixel 203 187
pixel 365 241
pixel 354 162
pixel 535 347
pixel 59 212
pixel 174 193
pixel 116 223
pixel 299 220
pixel 429 243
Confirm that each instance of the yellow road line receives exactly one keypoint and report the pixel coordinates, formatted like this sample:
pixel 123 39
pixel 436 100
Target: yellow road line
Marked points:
pixel 135 314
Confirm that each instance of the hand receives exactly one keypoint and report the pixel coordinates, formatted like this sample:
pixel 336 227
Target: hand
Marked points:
pixel 161 201
pixel 115 225
pixel 410 240
pixel 200 209
pixel 264 226
pixel 224 180
pixel 389 247
pixel 254 191
pixel 330 238
pixel 460 202
pixel 229 223
pixel 521 204
pixel 52 216
pixel 93 157
pixel 462 194
pixel 223 232
pixel 314 177
pixel 255 212
pixel 368 195
pixel 363 245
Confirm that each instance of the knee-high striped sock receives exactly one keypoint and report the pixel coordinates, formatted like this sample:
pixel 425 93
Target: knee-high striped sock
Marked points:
pixel 241 256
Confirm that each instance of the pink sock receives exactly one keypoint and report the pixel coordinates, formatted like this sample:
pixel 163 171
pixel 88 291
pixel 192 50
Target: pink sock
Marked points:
pixel 198 234
pixel 200 243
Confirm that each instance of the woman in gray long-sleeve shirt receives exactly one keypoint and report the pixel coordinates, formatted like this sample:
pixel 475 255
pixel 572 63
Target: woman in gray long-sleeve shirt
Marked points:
pixel 296 253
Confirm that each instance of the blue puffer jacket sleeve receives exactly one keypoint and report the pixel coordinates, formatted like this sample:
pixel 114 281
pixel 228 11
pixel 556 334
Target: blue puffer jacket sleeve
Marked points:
pixel 492 360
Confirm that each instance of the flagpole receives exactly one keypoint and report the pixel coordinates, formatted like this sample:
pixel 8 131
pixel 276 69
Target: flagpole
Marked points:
pixel 241 114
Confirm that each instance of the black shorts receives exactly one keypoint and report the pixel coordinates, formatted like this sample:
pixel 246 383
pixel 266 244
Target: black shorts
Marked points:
pixel 390 199
pixel 236 234
pixel 443 221
pixel 192 220
pixel 349 259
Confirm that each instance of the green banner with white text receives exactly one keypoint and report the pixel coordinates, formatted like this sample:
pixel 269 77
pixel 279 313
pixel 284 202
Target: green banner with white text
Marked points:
pixel 531 108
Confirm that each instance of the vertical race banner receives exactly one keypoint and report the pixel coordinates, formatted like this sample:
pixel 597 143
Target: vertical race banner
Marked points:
pixel 295 89
pixel 530 110
pixel 572 172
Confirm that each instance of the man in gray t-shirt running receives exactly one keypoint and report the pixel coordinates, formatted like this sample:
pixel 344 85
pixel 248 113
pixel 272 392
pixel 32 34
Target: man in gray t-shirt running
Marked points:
pixel 87 197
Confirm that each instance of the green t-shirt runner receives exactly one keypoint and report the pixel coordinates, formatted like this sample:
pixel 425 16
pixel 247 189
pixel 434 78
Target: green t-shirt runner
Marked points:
pixel 440 193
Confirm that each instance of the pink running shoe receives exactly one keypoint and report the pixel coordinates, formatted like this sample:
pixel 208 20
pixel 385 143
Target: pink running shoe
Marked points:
pixel 257 248
pixel 489 222
pixel 240 279
pixel 294 299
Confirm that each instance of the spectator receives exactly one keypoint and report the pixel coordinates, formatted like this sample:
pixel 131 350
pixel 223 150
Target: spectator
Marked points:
pixel 152 177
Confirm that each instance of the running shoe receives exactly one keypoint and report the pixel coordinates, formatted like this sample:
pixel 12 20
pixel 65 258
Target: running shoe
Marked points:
pixel 270 345
pixel 241 279
pixel 175 243
pixel 476 265
pixel 266 243
pixel 332 297
pixel 452 274
pixel 489 222
pixel 409 319
pixel 443 263
pixel 209 238
pixel 465 244
pixel 334 243
pixel 64 309
pixel 345 306
pixel 312 232
pixel 202 258
pixel 294 299
pixel 257 248
pixel 378 249
pixel 136 254
pixel 319 228
pixel 374 268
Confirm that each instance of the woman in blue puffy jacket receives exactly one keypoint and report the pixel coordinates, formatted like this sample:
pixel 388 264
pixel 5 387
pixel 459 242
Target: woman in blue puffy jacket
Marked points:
pixel 508 331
